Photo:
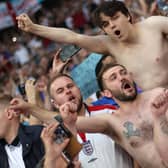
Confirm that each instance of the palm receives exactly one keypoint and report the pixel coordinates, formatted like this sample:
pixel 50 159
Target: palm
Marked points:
pixel 58 64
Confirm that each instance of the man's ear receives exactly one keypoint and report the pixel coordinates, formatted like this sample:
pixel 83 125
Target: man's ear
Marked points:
pixel 10 113
pixel 107 93
pixel 54 103
pixel 128 18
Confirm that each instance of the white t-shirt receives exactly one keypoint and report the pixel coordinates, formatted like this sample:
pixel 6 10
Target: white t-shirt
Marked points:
pixel 103 152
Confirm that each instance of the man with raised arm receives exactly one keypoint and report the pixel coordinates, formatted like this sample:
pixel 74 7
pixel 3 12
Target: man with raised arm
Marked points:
pixel 142 47
pixel 139 125
pixel 63 90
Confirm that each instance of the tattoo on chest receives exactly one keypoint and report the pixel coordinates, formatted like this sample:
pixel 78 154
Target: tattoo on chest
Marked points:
pixel 130 130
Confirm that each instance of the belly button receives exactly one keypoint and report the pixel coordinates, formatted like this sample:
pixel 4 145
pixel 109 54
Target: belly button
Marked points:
pixel 157 59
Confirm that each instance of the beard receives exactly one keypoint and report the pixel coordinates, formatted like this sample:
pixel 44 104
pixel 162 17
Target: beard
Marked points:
pixel 80 104
pixel 124 97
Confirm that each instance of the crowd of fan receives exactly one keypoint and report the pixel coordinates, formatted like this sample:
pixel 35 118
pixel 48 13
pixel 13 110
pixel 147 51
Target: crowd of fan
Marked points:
pixel 23 56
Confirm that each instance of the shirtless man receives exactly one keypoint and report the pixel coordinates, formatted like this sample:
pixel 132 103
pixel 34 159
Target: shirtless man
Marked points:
pixel 141 47
pixel 137 125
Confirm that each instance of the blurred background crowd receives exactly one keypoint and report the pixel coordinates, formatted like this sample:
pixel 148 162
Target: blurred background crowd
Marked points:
pixel 23 55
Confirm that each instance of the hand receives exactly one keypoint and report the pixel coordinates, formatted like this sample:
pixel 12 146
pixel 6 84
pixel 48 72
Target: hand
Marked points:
pixel 160 104
pixel 31 91
pixel 20 106
pixel 69 115
pixel 53 150
pixel 24 22
pixel 68 112
pixel 58 65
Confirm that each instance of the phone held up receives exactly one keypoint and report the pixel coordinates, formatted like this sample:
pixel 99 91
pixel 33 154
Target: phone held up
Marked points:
pixel 73 147
pixel 68 51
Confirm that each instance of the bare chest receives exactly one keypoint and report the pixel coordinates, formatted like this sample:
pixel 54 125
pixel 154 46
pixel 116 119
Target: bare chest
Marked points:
pixel 149 55
pixel 137 133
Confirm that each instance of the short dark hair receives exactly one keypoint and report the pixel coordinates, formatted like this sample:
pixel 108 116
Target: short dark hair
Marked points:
pixel 5 101
pixel 100 64
pixel 59 75
pixel 103 70
pixel 110 8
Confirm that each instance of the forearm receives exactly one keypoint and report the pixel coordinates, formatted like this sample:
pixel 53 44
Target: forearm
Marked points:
pixel 61 35
pixel 161 136
pixel 96 124
pixel 51 162
pixel 42 114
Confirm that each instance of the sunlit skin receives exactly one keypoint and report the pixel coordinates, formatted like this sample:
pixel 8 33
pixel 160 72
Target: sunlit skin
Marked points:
pixel 133 126
pixel 142 47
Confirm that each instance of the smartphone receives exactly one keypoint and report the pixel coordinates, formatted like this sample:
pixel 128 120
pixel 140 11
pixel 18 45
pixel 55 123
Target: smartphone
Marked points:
pixel 68 51
pixel 73 147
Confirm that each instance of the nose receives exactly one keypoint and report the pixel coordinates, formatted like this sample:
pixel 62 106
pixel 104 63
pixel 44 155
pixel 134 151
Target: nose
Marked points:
pixel 121 78
pixel 67 90
pixel 112 25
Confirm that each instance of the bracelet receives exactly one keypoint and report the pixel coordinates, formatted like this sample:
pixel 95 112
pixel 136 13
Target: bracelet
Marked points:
pixel 58 118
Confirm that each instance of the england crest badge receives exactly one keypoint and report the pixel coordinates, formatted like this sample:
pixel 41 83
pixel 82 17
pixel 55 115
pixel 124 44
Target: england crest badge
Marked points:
pixel 87 148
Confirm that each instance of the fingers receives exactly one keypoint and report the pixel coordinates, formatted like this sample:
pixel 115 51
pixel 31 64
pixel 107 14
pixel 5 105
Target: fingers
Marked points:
pixel 23 15
pixel 14 101
pixel 57 54
pixel 24 22
pixel 30 82
pixel 67 108
pixel 49 130
pixel 158 102
pixel 161 99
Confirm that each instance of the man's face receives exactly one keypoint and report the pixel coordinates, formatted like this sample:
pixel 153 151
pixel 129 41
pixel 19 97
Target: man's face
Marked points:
pixel 63 89
pixel 115 26
pixel 119 82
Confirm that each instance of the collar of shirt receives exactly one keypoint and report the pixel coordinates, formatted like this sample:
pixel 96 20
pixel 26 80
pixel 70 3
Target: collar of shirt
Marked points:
pixel 15 142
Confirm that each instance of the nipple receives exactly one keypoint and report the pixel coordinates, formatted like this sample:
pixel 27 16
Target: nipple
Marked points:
pixel 157 59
